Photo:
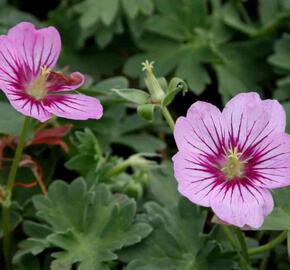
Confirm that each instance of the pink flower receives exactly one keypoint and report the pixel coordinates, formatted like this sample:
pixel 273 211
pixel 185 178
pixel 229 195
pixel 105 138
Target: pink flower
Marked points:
pixel 27 57
pixel 229 160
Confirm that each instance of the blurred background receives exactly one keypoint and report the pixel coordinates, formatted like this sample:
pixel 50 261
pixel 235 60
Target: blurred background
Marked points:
pixel 219 47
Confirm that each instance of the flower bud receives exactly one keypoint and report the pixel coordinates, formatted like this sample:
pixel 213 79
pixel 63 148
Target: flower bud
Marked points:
pixel 135 190
pixel 154 87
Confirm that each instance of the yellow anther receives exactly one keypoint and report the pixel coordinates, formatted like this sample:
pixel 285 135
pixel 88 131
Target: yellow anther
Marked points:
pixel 37 88
pixel 44 71
pixel 234 166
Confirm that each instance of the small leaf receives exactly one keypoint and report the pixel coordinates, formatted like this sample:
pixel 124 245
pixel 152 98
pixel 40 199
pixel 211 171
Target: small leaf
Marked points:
pixel 134 95
pixel 176 85
pixel 279 219
pixel 141 142
pixel 82 162
pixel 130 7
pixel 146 111
pixel 7 126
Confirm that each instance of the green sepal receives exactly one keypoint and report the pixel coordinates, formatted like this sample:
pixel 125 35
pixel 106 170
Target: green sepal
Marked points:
pixel 163 83
pixel 146 111
pixel 136 96
pixel 176 85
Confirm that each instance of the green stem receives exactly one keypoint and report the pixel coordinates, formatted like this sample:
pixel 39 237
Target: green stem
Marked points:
pixel 6 237
pixel 229 235
pixel 168 117
pixel 119 168
pixel 18 153
pixel 272 244
pixel 245 265
pixel 10 185
pixel 243 244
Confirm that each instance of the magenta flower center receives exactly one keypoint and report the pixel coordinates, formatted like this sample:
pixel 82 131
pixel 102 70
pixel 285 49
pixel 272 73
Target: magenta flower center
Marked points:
pixel 37 87
pixel 234 166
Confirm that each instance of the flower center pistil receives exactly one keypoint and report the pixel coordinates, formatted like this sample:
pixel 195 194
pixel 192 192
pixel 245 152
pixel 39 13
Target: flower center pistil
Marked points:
pixel 36 88
pixel 234 166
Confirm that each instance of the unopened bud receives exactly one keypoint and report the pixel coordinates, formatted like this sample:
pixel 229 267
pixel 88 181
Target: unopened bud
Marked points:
pixel 154 88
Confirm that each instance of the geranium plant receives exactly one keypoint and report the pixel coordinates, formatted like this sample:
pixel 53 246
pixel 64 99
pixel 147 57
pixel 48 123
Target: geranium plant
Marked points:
pixel 144 135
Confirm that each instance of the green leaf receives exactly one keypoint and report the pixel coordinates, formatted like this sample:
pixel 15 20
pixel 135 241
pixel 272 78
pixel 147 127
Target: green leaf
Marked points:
pixel 176 242
pixel 235 66
pixel 87 226
pixel 130 7
pixel 143 143
pixel 191 69
pixel 176 42
pixel 6 125
pixel 279 219
pixel 146 6
pixel 268 10
pixel 134 95
pixel 15 218
pixel 146 111
pixel 281 57
pixel 233 19
pixel 286 106
pixel 10 16
pixel 35 244
pixel 114 82
pixel 104 36
pixel 176 85
pixel 167 27
pixel 93 11
pixel 82 162
pixel 27 262
pixel 163 185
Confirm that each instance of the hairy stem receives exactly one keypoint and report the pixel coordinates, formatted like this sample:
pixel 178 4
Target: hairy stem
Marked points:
pixel 10 185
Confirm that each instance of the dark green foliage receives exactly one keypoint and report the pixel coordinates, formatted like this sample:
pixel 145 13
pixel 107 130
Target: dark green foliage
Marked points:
pixel 117 206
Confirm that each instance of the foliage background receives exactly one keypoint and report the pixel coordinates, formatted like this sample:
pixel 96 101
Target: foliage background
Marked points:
pixel 220 48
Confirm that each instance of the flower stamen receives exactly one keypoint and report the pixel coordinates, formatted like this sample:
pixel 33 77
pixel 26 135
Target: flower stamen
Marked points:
pixel 234 166
pixel 37 87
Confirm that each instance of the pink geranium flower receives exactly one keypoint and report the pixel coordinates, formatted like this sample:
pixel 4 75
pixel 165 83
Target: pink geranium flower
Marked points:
pixel 27 57
pixel 229 160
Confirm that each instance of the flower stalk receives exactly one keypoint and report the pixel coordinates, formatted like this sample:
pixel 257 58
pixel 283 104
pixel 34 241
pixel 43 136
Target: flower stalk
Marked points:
pixel 239 245
pixel 272 244
pixel 9 188
pixel 168 117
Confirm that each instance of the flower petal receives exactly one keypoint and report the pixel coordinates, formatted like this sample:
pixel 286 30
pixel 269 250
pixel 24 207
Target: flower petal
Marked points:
pixel 202 130
pixel 28 106
pixel 37 48
pixel 269 165
pixel 241 205
pixel 73 106
pixel 57 82
pixel 195 181
pixel 12 75
pixel 251 120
